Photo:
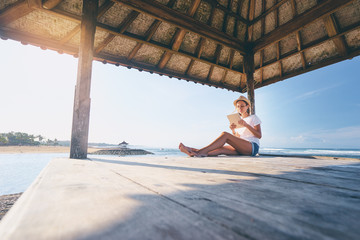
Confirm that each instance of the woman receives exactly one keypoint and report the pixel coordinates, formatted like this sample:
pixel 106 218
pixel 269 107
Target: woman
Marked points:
pixel 242 141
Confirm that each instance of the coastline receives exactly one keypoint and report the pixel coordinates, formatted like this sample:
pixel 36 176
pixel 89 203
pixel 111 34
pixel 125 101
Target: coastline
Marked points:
pixel 38 149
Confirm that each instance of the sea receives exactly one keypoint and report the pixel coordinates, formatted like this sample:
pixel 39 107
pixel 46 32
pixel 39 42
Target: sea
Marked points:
pixel 19 170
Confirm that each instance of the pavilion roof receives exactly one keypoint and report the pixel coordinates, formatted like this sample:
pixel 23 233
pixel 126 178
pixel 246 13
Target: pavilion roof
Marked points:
pixel 204 41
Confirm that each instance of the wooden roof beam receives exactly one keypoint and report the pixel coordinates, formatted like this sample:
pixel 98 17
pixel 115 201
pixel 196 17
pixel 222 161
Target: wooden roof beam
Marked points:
pixel 14 12
pixel 299 48
pixel 101 11
pixel 227 17
pixel 183 21
pixel 310 68
pixel 149 33
pixel 217 58
pixel 251 17
pixel 228 11
pixel 265 13
pixel 236 32
pixel 124 62
pixel 332 30
pixel 133 37
pixel 178 37
pixel 49 4
pixel 324 8
pixel 104 8
pixel 121 29
pixel 313 44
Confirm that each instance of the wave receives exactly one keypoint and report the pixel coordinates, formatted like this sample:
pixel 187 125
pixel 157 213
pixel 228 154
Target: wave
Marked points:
pixel 351 153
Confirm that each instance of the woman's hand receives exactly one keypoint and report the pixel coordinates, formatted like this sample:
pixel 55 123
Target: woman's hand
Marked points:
pixel 242 123
pixel 232 127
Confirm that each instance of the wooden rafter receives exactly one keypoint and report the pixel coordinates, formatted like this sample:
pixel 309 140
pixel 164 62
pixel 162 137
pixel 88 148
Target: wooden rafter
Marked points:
pixel 101 11
pixel 124 62
pixel 105 7
pixel 190 67
pixel 178 37
pixel 299 48
pixel 49 4
pixel 278 57
pixel 183 21
pixel 217 58
pixel 227 10
pixel 199 47
pixel 198 51
pixel 263 19
pixel 53 45
pixel 70 35
pixel 332 30
pixel 227 17
pixel 236 31
pixel 224 77
pixel 121 29
pixel 293 7
pixel 148 36
pixel 34 3
pixel 149 33
pixel 314 44
pixel 278 53
pixel 135 38
pixel 231 59
pixel 265 13
pixel 322 9
pixel 310 68
pixel 251 17
pixel 14 12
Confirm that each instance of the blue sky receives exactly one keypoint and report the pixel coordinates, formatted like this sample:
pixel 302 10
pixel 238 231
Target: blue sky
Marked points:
pixel 317 109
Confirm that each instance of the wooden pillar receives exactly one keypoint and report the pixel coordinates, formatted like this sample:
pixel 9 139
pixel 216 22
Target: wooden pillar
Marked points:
pixel 81 112
pixel 249 71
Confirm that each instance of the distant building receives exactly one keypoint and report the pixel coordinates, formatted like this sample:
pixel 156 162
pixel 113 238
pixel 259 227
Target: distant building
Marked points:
pixel 123 144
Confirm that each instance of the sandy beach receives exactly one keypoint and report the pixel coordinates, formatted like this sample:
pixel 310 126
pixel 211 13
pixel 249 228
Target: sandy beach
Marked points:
pixel 38 149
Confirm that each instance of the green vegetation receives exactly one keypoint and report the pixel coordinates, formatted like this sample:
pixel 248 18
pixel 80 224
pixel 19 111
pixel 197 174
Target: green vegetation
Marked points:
pixel 24 139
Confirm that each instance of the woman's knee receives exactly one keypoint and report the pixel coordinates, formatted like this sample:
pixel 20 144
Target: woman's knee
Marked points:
pixel 226 134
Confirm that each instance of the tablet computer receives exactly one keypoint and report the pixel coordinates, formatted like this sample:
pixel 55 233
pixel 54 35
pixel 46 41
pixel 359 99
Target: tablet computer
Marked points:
pixel 234 118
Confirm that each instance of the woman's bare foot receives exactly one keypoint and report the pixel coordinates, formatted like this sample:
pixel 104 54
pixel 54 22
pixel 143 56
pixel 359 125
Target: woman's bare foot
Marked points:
pixel 186 150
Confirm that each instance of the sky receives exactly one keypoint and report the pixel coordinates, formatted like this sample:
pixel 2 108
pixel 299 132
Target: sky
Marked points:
pixel 319 109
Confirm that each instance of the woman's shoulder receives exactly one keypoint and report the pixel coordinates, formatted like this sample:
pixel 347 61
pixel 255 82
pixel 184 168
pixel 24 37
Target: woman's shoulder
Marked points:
pixel 255 118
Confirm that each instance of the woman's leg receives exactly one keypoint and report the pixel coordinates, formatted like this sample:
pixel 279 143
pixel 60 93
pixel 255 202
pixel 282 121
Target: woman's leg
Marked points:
pixel 187 150
pixel 240 145
pixel 226 150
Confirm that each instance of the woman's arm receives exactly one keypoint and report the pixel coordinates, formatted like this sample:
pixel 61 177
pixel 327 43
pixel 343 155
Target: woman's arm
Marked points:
pixel 232 127
pixel 256 130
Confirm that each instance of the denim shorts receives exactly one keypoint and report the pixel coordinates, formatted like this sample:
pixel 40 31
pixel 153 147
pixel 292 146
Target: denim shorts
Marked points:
pixel 255 149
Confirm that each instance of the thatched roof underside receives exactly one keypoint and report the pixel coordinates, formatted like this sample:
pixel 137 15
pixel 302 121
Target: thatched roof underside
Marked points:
pixel 205 41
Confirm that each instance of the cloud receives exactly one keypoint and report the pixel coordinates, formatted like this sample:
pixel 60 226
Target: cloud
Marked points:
pixel 315 92
pixel 341 137
pixel 307 139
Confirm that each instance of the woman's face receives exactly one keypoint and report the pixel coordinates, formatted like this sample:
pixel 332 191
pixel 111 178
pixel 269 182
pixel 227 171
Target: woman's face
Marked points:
pixel 241 107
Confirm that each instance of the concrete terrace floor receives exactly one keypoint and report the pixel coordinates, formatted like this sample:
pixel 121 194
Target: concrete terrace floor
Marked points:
pixel 189 198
